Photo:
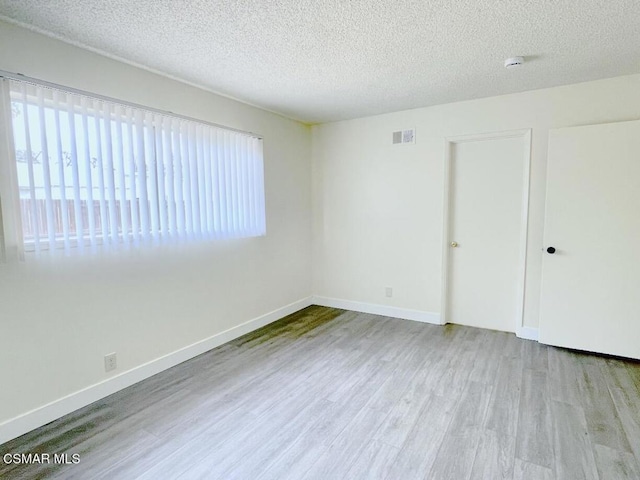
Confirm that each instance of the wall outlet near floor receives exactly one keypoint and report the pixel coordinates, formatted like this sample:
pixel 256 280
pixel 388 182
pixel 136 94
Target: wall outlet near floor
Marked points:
pixel 388 291
pixel 110 362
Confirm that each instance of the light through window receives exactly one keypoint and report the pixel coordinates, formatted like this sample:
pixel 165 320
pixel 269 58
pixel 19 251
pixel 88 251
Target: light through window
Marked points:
pixel 92 172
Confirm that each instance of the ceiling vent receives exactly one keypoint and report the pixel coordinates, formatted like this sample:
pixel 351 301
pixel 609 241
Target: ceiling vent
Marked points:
pixel 403 137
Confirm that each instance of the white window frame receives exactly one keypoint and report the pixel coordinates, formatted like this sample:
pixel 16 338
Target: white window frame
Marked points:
pixel 197 147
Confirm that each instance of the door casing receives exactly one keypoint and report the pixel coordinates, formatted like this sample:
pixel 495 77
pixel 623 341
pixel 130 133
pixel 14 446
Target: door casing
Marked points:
pixel 450 142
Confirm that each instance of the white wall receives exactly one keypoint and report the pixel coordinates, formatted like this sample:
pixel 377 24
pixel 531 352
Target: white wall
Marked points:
pixel 58 319
pixel 378 207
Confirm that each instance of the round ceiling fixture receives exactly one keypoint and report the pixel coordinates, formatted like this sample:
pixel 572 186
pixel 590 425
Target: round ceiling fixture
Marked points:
pixel 513 62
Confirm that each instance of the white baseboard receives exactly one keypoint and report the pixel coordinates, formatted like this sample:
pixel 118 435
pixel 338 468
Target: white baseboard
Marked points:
pixel 385 310
pixel 528 333
pixel 40 416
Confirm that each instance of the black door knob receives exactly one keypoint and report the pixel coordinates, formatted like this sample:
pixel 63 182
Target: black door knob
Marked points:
pixel 551 250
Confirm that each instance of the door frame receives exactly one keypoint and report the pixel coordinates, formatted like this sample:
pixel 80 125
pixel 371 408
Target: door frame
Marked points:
pixel 450 142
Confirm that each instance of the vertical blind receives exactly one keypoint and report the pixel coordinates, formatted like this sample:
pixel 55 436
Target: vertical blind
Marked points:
pixel 93 172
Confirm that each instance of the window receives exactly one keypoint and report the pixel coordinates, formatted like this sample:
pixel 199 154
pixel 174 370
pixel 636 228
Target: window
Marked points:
pixel 94 172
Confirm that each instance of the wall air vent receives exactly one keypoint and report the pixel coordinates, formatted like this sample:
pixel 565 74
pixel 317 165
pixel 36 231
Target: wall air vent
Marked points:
pixel 403 137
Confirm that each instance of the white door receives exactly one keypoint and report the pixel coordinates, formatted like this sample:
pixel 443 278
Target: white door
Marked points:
pixel 590 296
pixel 488 187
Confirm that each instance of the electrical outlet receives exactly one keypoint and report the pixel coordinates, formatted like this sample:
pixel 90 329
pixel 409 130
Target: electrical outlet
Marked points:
pixel 110 362
pixel 388 292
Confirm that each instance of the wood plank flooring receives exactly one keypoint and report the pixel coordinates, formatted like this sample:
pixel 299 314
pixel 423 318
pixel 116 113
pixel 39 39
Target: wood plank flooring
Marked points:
pixel 331 394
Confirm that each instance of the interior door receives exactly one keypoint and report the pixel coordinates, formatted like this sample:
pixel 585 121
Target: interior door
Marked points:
pixel 486 231
pixel 590 296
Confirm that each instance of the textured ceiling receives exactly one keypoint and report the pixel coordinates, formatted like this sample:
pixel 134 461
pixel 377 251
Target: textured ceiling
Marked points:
pixel 325 60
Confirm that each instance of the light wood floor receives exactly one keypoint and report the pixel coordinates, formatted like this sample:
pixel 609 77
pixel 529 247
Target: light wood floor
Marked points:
pixel 328 394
